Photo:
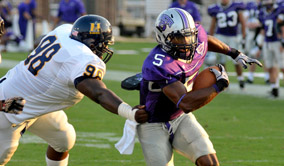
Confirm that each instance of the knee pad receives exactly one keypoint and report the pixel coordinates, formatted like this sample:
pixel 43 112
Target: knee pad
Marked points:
pixel 66 140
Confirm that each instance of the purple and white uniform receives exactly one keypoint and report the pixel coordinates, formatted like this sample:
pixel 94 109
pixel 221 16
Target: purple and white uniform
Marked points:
pixel 269 22
pixel 160 70
pixel 252 11
pixel 168 127
pixel 271 50
pixel 227 17
pixel 251 14
pixel 227 21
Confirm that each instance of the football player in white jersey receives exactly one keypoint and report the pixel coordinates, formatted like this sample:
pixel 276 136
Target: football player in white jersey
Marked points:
pixel 68 63
pixel 14 104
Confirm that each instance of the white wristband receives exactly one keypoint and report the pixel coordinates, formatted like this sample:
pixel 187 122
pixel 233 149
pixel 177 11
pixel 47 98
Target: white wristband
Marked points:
pixel 126 111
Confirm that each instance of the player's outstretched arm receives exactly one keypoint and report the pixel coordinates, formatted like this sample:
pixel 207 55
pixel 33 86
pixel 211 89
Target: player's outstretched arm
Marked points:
pixel 215 45
pixel 96 90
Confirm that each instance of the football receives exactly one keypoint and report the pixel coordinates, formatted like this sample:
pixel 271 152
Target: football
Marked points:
pixel 205 79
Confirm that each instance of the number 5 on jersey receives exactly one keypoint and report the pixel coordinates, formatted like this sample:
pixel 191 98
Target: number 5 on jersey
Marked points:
pixel 158 59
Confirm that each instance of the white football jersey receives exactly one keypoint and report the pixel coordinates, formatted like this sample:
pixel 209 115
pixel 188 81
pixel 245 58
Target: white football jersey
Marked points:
pixel 46 78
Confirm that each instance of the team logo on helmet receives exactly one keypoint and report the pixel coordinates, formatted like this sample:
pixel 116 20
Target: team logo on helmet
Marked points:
pixel 164 21
pixel 95 28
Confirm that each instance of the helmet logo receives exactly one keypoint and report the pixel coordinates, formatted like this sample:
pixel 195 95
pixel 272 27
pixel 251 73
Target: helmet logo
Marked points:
pixel 164 21
pixel 95 28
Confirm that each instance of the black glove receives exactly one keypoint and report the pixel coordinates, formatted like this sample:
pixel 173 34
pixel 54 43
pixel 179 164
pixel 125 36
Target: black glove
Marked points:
pixel 221 77
pixel 132 82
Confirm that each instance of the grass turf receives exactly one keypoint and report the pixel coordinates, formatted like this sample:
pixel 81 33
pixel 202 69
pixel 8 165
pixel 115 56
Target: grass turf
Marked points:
pixel 245 130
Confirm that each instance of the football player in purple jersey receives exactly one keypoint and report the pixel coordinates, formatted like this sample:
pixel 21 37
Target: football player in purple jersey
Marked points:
pixel 226 17
pixel 69 11
pixel 253 44
pixel 271 17
pixel 167 75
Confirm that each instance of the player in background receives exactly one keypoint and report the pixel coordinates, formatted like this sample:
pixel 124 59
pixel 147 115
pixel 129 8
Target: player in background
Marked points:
pixel 271 18
pixel 25 14
pixel 68 63
pixel 168 73
pixel 6 11
pixel 69 11
pixel 226 17
pixel 252 31
pixel 188 6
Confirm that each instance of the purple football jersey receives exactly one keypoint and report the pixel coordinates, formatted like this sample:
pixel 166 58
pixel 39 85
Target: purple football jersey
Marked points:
pixel 252 8
pixel 269 22
pixel 227 17
pixel 159 70
pixel 70 11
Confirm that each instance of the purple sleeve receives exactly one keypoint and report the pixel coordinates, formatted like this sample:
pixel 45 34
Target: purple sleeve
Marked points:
pixel 212 11
pixel 260 17
pixel 81 7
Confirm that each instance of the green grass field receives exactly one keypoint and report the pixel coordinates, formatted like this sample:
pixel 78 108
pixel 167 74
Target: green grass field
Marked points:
pixel 245 130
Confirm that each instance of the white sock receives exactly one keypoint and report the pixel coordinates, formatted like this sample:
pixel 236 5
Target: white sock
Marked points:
pixel 56 163
pixel 250 76
pixel 273 85
pixel 266 76
pixel 277 82
pixel 240 78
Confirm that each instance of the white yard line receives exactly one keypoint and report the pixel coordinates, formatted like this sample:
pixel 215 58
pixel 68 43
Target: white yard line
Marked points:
pixel 250 89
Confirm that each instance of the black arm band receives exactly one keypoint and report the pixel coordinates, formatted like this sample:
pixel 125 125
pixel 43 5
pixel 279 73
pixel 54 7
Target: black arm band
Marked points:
pixel 233 53
pixel 221 84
